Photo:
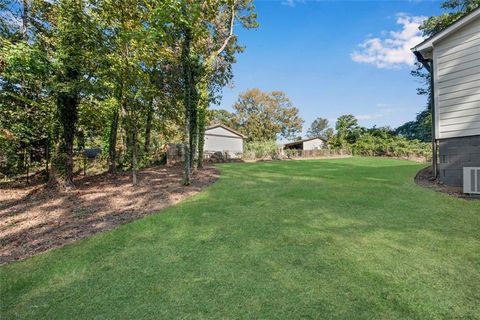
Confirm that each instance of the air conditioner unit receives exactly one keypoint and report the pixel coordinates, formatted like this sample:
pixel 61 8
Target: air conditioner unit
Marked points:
pixel 471 180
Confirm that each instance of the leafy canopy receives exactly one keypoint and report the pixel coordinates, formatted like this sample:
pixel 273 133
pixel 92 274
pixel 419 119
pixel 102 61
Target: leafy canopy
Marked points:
pixel 263 116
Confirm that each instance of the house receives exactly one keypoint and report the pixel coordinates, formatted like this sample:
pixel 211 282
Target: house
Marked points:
pixel 220 138
pixel 453 59
pixel 306 144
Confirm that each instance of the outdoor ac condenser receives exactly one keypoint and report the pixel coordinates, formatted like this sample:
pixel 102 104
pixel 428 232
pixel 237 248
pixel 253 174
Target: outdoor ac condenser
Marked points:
pixel 471 180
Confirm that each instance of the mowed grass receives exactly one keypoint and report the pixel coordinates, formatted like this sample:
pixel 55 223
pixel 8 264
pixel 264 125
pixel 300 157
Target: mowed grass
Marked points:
pixel 345 239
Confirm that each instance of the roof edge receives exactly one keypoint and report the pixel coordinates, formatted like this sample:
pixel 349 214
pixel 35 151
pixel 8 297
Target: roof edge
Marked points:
pixel 304 140
pixel 429 42
pixel 221 125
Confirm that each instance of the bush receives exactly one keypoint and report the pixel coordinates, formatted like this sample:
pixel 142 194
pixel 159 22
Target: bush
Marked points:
pixel 263 150
pixel 391 146
pixel 291 153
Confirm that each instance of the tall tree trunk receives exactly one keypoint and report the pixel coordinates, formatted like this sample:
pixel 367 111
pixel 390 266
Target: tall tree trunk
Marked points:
pixel 68 109
pixel 202 111
pixel 148 128
pixel 133 146
pixel 112 143
pixel 203 99
pixel 187 96
pixel 122 136
pixel 193 136
pixel 71 41
pixel 201 136
pixel 47 159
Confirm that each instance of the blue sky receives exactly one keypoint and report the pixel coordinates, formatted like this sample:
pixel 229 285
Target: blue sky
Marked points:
pixel 335 57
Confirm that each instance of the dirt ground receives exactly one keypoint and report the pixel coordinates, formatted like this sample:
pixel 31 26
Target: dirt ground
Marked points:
pixel 34 218
pixel 424 179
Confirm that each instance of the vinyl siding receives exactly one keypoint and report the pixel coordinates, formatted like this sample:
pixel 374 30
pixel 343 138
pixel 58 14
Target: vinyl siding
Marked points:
pixel 222 132
pixel 457 83
pixel 313 144
pixel 219 139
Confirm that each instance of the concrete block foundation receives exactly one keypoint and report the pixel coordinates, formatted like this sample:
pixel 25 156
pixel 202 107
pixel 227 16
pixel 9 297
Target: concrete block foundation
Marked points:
pixel 454 154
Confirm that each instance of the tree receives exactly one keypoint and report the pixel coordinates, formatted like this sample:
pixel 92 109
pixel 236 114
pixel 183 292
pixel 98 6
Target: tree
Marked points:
pixel 70 47
pixel 318 128
pixel 219 55
pixel 117 23
pixel 25 106
pixel 25 98
pixel 455 10
pixel 420 129
pixel 205 36
pixel 56 40
pixel 348 131
pixel 381 132
pixel 137 74
pixel 263 116
pixel 222 116
pixel 329 134
pixel 190 97
pixel 114 73
pixel 190 30
pixel 74 38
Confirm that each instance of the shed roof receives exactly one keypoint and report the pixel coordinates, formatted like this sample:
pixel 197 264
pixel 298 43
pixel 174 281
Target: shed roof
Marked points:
pixel 428 44
pixel 219 125
pixel 302 141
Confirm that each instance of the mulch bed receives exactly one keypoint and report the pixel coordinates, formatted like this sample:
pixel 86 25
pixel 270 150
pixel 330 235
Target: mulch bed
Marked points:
pixel 34 218
pixel 424 179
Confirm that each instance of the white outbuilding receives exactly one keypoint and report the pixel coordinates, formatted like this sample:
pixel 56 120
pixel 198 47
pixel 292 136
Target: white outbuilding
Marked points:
pixel 306 144
pixel 453 59
pixel 220 138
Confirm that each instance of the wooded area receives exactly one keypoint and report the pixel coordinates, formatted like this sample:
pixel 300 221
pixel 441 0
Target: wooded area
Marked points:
pixel 124 75
pixel 127 77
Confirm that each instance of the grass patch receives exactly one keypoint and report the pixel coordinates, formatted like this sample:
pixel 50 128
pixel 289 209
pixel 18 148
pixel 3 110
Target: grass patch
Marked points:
pixel 347 238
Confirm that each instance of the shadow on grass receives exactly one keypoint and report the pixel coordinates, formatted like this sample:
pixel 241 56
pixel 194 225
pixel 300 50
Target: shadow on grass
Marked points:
pixel 352 238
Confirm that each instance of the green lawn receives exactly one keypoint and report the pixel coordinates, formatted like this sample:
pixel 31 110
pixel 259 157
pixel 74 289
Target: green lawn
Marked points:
pixel 350 238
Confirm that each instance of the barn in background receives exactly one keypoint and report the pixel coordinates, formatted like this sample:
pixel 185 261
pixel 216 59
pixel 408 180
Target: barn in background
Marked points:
pixel 453 59
pixel 306 144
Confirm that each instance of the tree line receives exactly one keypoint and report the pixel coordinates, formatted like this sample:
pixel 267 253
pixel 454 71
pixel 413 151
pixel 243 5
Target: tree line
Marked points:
pixel 130 75
pixel 123 74
pixel 266 117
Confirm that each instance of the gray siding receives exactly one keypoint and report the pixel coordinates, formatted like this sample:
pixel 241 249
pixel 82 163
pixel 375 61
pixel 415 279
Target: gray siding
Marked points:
pixel 456 153
pixel 457 83
pixel 221 132
pixel 219 139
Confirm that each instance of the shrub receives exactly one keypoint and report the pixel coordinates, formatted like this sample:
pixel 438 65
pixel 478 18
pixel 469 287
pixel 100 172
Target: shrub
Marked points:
pixel 391 146
pixel 291 153
pixel 261 150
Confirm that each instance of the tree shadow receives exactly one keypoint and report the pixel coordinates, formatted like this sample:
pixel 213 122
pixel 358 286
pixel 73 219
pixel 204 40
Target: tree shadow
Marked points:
pixel 45 219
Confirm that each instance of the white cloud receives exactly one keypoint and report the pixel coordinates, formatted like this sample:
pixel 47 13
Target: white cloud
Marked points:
pixel 291 3
pixel 392 49
pixel 369 116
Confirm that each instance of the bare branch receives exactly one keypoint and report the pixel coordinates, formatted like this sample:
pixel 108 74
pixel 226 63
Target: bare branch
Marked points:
pixel 230 35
